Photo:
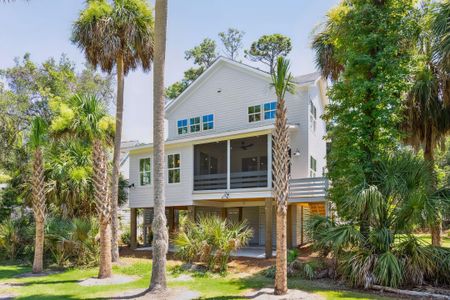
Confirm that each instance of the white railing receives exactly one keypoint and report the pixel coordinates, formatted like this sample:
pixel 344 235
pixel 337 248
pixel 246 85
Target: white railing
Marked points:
pixel 308 189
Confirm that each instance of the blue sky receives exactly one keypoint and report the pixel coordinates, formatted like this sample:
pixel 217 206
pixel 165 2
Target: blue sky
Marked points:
pixel 42 28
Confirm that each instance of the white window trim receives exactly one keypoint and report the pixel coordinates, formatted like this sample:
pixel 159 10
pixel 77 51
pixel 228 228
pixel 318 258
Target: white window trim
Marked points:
pixel 312 117
pixel 213 122
pixel 140 172
pixel 261 116
pixel 199 124
pixel 168 169
pixel 270 110
pixel 312 172
pixel 187 126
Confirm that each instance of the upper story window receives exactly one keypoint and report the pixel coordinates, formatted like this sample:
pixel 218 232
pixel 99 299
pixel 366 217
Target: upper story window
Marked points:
pixel 312 116
pixel 312 166
pixel 182 126
pixel 173 167
pixel 194 124
pixel 254 113
pixel 208 122
pixel 145 171
pixel 270 109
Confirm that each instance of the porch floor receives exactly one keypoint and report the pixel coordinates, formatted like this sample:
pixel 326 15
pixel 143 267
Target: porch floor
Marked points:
pixel 251 252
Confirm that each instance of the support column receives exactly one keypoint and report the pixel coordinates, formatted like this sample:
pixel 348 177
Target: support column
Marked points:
pixel 224 213
pixel 269 161
pixel 228 165
pixel 170 219
pixel 268 227
pixel 240 214
pixel 289 226
pixel 191 213
pixel 302 232
pixel 133 228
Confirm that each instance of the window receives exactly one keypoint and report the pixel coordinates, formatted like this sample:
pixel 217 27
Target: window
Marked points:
pixel 312 167
pixel 194 124
pixel 254 113
pixel 182 126
pixel 270 110
pixel 145 171
pixel 312 116
pixel 208 122
pixel 173 166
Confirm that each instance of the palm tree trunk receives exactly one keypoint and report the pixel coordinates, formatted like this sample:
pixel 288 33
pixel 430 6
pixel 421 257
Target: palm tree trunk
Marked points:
pixel 281 190
pixel 428 155
pixel 116 161
pixel 105 269
pixel 38 210
pixel 160 234
pixel 103 206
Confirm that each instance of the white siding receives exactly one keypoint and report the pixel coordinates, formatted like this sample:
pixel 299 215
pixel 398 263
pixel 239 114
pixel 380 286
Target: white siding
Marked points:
pixel 176 193
pixel 317 145
pixel 239 88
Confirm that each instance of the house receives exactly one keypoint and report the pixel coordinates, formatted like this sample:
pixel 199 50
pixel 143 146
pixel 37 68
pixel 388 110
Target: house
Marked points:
pixel 219 154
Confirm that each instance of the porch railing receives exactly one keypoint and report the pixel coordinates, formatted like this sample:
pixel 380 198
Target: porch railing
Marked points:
pixel 308 189
pixel 250 179
pixel 210 182
pixel 237 180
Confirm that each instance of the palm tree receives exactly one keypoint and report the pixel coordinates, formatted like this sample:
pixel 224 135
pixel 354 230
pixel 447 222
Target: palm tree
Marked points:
pixel 282 83
pixel 427 116
pixel 160 234
pixel 86 118
pixel 118 34
pixel 37 140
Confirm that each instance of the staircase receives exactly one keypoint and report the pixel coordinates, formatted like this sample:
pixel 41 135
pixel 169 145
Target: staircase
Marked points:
pixel 312 189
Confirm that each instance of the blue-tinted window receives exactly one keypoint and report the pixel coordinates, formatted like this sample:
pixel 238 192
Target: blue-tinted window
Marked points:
pixel 194 124
pixel 270 110
pixel 182 126
pixel 208 122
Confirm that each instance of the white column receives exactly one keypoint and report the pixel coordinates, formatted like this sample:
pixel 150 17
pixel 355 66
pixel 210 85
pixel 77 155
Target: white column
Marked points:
pixel 269 160
pixel 228 164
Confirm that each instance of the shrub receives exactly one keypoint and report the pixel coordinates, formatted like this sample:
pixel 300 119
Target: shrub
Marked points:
pixel 15 236
pixel 125 237
pixel 72 242
pixel 211 240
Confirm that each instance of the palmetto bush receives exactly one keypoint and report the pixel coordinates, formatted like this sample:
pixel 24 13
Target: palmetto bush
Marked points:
pixel 72 242
pixel 211 240
pixel 15 237
pixel 388 254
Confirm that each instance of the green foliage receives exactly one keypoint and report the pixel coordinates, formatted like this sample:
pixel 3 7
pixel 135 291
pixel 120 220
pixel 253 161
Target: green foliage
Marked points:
pixel 401 197
pixel 29 89
pixel 211 240
pixel 72 242
pixel 38 133
pixel 282 79
pixel 105 31
pixel 204 54
pixel 268 48
pixel 232 42
pixel 368 48
pixel 15 236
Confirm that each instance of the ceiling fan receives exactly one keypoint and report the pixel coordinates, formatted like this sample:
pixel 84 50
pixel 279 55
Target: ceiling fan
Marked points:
pixel 245 147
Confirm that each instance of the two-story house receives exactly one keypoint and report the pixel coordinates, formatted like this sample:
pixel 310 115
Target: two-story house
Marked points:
pixel 219 152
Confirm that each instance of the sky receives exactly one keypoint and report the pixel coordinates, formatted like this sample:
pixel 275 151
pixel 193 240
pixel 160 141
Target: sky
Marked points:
pixel 43 28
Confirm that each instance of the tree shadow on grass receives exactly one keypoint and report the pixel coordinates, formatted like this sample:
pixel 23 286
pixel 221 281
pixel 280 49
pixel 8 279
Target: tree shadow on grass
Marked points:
pixel 14 270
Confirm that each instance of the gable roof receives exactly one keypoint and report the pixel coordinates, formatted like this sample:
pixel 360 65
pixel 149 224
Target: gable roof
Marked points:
pixel 220 61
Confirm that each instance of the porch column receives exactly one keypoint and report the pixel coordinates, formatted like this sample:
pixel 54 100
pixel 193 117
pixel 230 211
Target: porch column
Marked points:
pixel 268 229
pixel 224 213
pixel 269 160
pixel 191 213
pixel 133 228
pixel 289 226
pixel 228 164
pixel 170 218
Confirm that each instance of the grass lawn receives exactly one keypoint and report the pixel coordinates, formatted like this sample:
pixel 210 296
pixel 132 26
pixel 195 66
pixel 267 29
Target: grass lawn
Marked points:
pixel 427 239
pixel 65 285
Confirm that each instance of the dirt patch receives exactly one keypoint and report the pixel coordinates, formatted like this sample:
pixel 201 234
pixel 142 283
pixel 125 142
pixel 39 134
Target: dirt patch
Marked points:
pixel 115 279
pixel 267 294
pixel 170 294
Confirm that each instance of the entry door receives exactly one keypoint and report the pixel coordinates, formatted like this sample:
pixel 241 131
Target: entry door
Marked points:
pixel 262 226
